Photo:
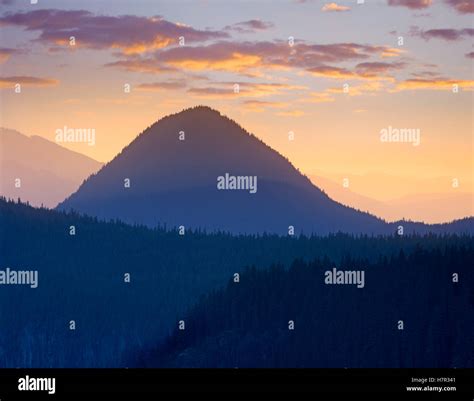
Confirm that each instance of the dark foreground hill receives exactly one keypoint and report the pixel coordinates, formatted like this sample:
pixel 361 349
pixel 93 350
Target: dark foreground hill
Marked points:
pixel 291 318
pixel 170 174
pixel 81 278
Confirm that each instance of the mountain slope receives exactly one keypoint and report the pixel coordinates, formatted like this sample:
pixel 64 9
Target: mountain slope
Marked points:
pixel 48 172
pixel 174 181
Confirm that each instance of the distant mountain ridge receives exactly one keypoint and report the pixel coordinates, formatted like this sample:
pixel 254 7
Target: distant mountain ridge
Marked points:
pixel 47 171
pixel 169 174
pixel 435 207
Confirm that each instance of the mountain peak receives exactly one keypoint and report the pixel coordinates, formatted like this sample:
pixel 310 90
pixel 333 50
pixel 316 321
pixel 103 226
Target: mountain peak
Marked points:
pixel 170 172
pixel 199 109
pixel 202 108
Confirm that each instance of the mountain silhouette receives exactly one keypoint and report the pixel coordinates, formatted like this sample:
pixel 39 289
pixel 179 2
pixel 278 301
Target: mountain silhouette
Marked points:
pixel 169 175
pixel 428 207
pixel 47 172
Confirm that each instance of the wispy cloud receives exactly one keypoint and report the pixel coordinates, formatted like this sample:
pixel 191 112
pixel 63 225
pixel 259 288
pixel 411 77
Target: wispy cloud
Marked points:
pixel 412 4
pixel 6 52
pixel 249 58
pixel 127 33
pixel 364 88
pixel 10 82
pixel 331 72
pixel 291 113
pixel 218 90
pixel 334 7
pixel 262 105
pixel 378 69
pixel 444 34
pixel 438 83
pixel 368 70
pixel 140 64
pixel 318 97
pixel 462 6
pixel 164 85
pixel 250 26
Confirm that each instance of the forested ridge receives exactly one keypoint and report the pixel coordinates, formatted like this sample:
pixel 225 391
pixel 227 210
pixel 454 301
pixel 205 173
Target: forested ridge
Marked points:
pixel 248 324
pixel 81 278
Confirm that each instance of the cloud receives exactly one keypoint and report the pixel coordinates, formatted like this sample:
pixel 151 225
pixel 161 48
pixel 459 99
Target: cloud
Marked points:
pixel 5 53
pixel 245 89
pixel 10 82
pixel 425 74
pixel 412 4
pixel 259 106
pixel 377 69
pixel 331 72
pixel 367 70
pixel 138 64
pixel 438 83
pixel 165 85
pixel 334 7
pixel 367 87
pixel 248 58
pixel 291 113
pixel 212 93
pixel 318 97
pixel 250 26
pixel 462 6
pixel 391 52
pixel 225 56
pixel 444 34
pixel 264 103
pixel 127 33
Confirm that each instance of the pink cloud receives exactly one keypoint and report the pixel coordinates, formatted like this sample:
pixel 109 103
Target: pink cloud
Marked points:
pixel 245 56
pixel 164 85
pixel 368 70
pixel 462 6
pixel 445 34
pixel 377 69
pixel 6 53
pixel 331 72
pixel 127 33
pixel 412 4
pixel 250 26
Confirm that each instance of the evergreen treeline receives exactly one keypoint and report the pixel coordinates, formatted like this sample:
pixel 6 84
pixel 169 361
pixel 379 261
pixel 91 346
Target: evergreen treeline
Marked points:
pixel 249 323
pixel 82 278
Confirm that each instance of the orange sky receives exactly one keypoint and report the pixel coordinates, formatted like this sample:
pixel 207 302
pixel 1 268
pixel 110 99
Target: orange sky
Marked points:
pixel 283 87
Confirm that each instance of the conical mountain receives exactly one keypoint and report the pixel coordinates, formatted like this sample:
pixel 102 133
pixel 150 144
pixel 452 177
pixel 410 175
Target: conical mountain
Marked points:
pixel 173 171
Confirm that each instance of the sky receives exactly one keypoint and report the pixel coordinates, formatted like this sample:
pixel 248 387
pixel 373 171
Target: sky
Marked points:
pixel 335 74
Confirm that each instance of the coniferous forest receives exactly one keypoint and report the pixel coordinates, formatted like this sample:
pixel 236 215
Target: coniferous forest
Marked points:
pixel 137 296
